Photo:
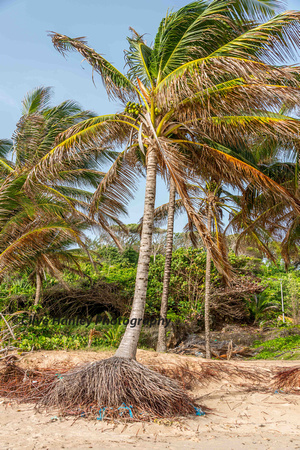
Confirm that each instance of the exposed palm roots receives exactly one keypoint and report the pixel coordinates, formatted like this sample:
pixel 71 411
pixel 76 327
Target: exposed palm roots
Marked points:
pixel 112 382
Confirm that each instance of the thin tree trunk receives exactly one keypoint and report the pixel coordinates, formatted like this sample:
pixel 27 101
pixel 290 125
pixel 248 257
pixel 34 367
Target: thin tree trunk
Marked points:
pixel 207 290
pixel 38 289
pixel 162 339
pixel 129 343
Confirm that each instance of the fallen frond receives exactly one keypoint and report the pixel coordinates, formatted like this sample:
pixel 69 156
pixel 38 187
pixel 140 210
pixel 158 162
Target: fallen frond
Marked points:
pixel 288 379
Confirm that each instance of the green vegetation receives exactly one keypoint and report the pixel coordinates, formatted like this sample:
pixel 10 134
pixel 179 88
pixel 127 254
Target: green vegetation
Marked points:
pixel 280 348
pixel 117 270
pixel 54 336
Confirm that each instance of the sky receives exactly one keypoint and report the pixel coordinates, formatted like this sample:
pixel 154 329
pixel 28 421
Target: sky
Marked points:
pixel 28 59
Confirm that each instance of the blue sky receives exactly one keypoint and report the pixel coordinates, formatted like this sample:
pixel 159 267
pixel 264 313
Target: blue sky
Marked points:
pixel 28 58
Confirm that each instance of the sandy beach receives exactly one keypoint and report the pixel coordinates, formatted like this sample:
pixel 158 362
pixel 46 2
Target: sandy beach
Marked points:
pixel 237 418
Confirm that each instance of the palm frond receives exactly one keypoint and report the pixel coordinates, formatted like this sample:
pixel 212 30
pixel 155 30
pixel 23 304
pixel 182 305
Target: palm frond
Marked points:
pixel 204 73
pixel 255 9
pixel 273 42
pixel 117 85
pixel 238 172
pixel 77 147
pixel 138 58
pixel 119 183
pixel 189 33
pixel 36 100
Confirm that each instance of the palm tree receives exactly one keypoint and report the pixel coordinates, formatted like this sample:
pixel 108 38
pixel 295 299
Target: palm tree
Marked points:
pixel 208 84
pixel 161 339
pixel 210 201
pixel 213 201
pixel 43 245
pixel 39 223
pixel 270 225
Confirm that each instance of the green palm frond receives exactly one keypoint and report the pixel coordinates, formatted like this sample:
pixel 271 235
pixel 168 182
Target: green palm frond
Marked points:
pixel 98 135
pixel 6 147
pixel 36 101
pixel 188 33
pixel 259 9
pixel 43 213
pixel 139 58
pixel 274 41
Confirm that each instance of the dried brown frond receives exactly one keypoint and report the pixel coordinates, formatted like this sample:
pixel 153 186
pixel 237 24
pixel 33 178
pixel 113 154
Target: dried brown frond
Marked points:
pixel 188 80
pixel 202 373
pixel 236 97
pixel 119 183
pixel 116 84
pixel 288 379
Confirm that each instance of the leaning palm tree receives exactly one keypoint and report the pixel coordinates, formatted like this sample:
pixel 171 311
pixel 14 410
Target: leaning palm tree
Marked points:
pixel 209 83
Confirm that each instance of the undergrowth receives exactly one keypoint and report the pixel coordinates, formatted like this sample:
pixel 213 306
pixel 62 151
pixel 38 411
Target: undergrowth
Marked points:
pixel 279 348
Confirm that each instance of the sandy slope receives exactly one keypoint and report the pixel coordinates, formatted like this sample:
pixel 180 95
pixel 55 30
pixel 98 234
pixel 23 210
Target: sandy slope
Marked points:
pixel 238 420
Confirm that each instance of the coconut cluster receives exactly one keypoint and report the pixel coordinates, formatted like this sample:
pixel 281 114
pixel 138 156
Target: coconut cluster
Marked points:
pixel 133 108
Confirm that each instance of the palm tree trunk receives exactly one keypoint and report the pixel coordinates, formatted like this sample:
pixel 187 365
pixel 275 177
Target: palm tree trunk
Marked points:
pixel 207 290
pixel 38 289
pixel 162 341
pixel 129 343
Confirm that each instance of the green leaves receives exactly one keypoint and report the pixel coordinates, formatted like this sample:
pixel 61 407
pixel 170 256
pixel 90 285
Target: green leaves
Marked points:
pixel 200 29
pixel 139 58
pixel 274 41
pixel 36 101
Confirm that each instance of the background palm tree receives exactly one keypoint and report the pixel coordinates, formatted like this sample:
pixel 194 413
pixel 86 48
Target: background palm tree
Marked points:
pixel 161 339
pixel 272 226
pixel 210 201
pixel 40 222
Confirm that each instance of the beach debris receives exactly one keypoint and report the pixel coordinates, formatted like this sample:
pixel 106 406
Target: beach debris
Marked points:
pixel 203 372
pixel 288 380
pixel 101 413
pixel 223 350
pixel 128 408
pixel 199 411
